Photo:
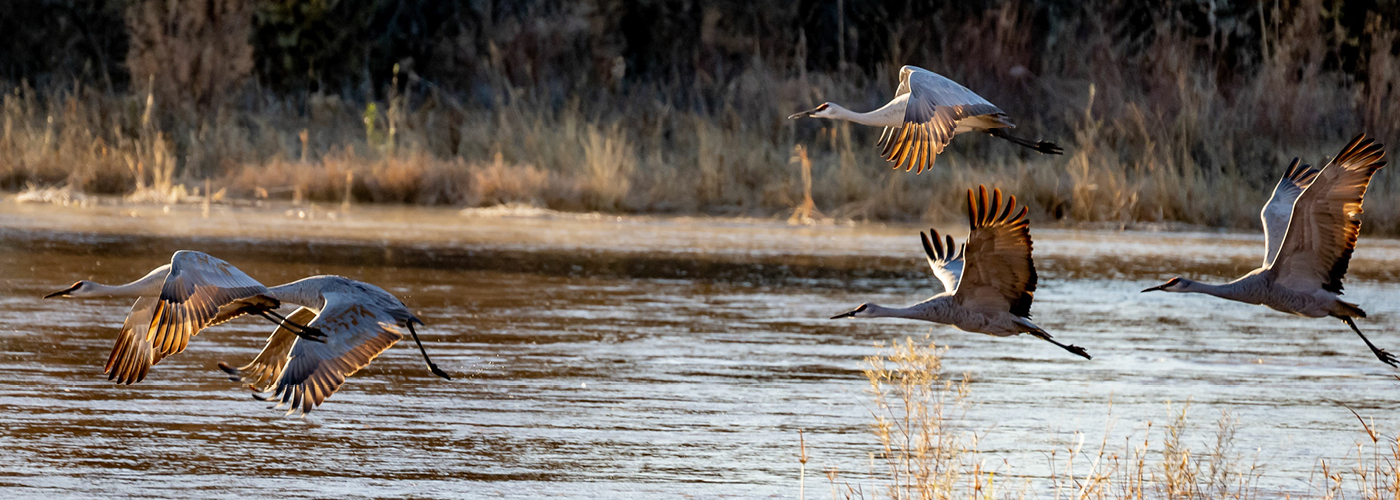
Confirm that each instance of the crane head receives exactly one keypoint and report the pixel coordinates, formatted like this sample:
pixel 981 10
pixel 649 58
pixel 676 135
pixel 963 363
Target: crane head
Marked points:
pixel 854 313
pixel 817 112
pixel 67 291
pixel 1172 285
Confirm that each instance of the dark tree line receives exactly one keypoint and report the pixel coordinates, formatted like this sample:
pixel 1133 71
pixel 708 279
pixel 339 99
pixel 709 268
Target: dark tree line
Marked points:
pixel 565 46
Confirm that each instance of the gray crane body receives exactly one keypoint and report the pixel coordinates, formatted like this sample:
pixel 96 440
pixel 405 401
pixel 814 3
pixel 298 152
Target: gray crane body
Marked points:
pixel 1259 288
pixel 945 308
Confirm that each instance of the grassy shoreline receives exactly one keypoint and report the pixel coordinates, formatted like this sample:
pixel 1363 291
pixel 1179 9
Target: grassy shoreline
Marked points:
pixel 567 161
pixel 1155 130
pixel 769 251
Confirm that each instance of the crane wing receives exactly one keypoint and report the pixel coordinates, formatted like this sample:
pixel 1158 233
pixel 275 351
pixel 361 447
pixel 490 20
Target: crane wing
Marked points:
pixel 1326 219
pixel 1280 206
pixel 945 259
pixel 267 367
pixel 935 104
pixel 134 353
pixel 356 334
pixel 198 284
pixel 999 274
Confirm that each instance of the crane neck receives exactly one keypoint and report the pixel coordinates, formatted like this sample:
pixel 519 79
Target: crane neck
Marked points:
pixel 136 289
pixel 928 310
pixel 303 292
pixel 886 116
pixel 1235 290
pixel 148 286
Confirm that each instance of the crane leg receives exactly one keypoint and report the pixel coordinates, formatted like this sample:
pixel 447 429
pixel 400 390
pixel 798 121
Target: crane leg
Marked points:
pixel 1384 356
pixel 1043 147
pixel 307 332
pixel 1071 348
pixel 431 366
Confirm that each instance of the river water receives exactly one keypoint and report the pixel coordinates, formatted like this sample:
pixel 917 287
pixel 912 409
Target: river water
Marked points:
pixel 646 357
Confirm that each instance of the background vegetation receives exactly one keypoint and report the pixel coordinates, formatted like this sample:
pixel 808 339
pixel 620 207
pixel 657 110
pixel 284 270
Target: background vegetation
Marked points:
pixel 1179 110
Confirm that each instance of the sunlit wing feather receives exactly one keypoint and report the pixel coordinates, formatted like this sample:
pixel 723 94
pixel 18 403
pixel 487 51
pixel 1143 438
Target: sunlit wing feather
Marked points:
pixel 944 258
pixel 1280 206
pixel 999 274
pixel 931 115
pixel 190 299
pixel 266 368
pixel 356 335
pixel 134 354
pixel 1326 218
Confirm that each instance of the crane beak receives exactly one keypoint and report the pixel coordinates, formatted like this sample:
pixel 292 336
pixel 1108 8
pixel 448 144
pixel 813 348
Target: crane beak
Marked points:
pixel 1157 288
pixel 852 313
pixel 803 114
pixel 847 314
pixel 63 292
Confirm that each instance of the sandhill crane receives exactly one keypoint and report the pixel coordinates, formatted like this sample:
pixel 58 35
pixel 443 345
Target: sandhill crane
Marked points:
pixel 359 320
pixel 174 302
pixel 1310 228
pixel 927 111
pixel 988 284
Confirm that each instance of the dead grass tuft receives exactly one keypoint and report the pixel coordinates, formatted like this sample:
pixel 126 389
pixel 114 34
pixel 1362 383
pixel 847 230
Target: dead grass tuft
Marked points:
pixel 922 450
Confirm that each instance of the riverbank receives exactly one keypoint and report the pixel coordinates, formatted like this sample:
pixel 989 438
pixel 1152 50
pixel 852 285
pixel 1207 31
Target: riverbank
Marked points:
pixel 557 243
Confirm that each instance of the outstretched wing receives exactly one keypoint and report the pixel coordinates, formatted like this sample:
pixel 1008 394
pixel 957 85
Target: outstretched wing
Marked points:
pixel 1280 206
pixel 134 354
pixel 356 334
pixel 190 299
pixel 945 259
pixel 1326 218
pixel 935 104
pixel 999 274
pixel 267 367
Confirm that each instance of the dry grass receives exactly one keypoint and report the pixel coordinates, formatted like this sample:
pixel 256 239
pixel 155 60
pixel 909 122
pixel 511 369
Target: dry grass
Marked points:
pixel 1168 468
pixel 1154 129
pixel 1374 473
pixel 922 450
pixel 914 407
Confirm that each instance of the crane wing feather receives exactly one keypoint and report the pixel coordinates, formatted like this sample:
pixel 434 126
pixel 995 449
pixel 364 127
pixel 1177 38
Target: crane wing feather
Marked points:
pixel 1326 218
pixel 999 274
pixel 1279 209
pixel 190 299
pixel 134 353
pixel 934 106
pixel 944 258
pixel 266 368
pixel 356 334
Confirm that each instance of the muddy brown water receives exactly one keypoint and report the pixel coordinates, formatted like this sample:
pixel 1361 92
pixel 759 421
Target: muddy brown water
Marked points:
pixel 607 358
